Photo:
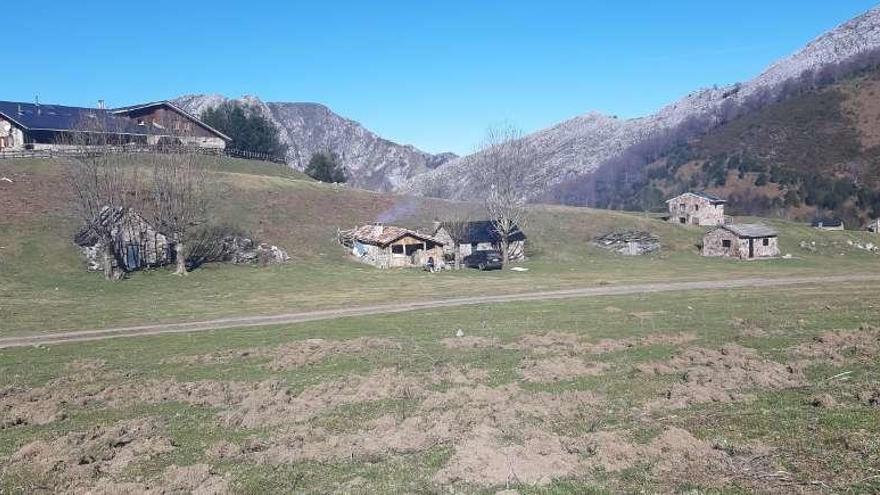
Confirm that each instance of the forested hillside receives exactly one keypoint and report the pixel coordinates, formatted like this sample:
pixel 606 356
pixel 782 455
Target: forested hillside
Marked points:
pixel 816 152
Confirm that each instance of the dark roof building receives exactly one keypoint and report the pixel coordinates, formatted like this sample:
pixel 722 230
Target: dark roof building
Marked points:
pixel 154 112
pixel 36 125
pixel 39 117
pixel 828 223
pixel 480 231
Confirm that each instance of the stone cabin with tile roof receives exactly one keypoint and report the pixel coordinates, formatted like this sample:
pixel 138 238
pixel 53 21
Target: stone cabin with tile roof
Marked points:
pixel 387 246
pixel 741 240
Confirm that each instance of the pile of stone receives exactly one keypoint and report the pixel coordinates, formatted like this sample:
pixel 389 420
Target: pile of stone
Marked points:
pixel 242 250
pixel 629 242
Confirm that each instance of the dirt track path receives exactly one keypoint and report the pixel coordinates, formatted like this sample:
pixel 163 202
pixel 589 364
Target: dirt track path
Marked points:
pixel 328 314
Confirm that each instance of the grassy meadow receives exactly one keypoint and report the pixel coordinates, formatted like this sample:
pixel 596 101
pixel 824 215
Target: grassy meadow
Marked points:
pixel 743 391
pixel 45 287
pixel 712 391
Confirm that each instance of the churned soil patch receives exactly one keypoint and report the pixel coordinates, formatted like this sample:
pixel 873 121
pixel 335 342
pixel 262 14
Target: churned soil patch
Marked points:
pixel 839 347
pixel 676 456
pixel 451 417
pixel 559 368
pixel 723 375
pixel 536 458
pixel 78 459
pixel 272 402
pixel 293 354
pixel 301 353
pixel 197 479
pixel 470 342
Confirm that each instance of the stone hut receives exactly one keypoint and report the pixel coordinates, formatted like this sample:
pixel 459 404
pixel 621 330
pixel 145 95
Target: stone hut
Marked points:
pixel 136 243
pixel 629 242
pixel 386 246
pixel 696 208
pixel 741 240
pixel 479 235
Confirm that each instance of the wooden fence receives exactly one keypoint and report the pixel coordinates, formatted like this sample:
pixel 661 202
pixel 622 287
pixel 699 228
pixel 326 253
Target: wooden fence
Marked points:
pixel 68 152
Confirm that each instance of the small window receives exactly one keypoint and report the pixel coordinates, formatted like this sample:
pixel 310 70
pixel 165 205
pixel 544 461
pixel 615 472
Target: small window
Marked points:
pixel 725 243
pixel 474 246
pixel 696 207
pixel 397 249
pixel 766 242
pixel 682 220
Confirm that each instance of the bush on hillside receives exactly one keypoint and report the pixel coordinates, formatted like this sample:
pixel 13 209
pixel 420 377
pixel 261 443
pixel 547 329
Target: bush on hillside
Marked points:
pixel 248 128
pixel 325 167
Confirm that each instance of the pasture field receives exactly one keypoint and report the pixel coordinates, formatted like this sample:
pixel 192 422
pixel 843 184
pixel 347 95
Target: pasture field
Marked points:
pixel 736 391
pixel 771 390
pixel 44 287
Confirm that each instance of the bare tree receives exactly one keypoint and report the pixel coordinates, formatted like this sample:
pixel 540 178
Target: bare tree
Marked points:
pixel 456 221
pixel 179 200
pixel 104 183
pixel 505 168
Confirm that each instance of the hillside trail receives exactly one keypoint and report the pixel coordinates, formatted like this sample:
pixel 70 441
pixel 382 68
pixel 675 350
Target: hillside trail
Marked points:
pixel 61 337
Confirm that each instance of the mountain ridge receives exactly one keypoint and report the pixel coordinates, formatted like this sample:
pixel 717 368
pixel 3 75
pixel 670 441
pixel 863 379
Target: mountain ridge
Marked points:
pixel 584 144
pixel 371 161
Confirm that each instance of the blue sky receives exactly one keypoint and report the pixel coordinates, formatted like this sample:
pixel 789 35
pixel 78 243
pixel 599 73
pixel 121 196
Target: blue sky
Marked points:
pixel 433 74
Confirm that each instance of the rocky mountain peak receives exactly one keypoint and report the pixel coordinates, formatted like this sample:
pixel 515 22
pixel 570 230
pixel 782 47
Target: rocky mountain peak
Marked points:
pixel 307 128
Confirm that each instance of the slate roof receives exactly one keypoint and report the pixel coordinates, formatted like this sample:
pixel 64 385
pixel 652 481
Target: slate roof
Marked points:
pixel 483 231
pixel 750 230
pixel 383 235
pixel 34 117
pixel 707 196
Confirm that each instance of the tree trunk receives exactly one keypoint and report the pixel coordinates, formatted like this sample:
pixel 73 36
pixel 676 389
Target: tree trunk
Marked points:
pixel 108 258
pixel 505 253
pixel 180 258
pixel 457 256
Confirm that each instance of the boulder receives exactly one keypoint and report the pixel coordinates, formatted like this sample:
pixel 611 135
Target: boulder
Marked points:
pixel 242 250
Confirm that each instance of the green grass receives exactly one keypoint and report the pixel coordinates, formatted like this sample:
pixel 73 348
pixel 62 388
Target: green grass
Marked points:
pixel 45 287
pixel 812 444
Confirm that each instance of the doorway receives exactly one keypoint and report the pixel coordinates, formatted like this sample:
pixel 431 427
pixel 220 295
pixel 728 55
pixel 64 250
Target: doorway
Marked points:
pixel 751 248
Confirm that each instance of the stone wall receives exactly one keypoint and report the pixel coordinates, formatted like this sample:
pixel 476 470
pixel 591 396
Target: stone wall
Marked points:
pixel 695 210
pixel 11 137
pixel 714 245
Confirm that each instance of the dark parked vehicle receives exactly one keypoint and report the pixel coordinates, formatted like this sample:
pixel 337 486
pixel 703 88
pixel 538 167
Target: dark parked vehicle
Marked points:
pixel 484 260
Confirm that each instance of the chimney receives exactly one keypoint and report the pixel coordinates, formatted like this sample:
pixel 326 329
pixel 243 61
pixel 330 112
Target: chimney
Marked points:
pixel 20 112
pixel 37 103
pixel 435 226
pixel 378 228
pixel 101 104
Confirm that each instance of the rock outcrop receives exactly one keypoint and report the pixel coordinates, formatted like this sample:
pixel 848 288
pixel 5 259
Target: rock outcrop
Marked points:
pixel 370 161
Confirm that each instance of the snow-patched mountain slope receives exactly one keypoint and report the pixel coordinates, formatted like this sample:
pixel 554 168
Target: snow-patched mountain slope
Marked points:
pixel 371 161
pixel 581 145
